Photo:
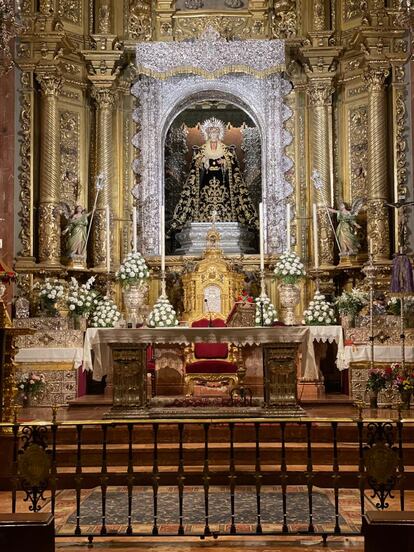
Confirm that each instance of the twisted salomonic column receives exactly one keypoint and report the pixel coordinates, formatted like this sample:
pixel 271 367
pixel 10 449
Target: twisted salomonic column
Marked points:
pixel 49 190
pixel 105 100
pixel 320 94
pixel 378 216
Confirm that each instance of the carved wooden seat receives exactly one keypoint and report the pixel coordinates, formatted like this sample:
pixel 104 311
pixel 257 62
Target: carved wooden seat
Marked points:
pixel 212 365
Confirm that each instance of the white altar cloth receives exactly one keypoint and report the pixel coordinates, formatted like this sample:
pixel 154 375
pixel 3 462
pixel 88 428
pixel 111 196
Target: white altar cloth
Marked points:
pixel 382 353
pixel 50 354
pixel 325 334
pixel 98 340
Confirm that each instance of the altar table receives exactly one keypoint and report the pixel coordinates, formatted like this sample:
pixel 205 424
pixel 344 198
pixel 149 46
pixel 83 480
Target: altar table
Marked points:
pixel 97 340
pixel 280 346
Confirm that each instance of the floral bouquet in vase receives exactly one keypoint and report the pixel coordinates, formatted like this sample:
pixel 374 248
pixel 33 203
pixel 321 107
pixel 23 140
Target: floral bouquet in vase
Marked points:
pixel 378 380
pixel 349 304
pixel 31 386
pixel 51 292
pixel 319 312
pixel 105 315
pixel 289 270
pixel 266 313
pixel 82 299
pixel 403 382
pixel 133 275
pixel 133 270
pixel 162 315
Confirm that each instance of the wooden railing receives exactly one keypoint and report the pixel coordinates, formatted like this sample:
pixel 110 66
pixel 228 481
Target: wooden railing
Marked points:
pixel 372 456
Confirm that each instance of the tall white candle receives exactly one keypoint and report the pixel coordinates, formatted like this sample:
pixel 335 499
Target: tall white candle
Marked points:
pixel 288 227
pixel 261 235
pixel 108 239
pixel 162 239
pixel 315 236
pixel 134 229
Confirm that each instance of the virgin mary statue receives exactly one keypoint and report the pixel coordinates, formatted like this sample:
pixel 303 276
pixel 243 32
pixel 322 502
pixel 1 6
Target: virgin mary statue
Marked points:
pixel 214 184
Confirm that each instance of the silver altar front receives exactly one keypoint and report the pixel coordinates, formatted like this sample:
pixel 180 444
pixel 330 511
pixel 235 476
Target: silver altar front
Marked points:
pixel 235 238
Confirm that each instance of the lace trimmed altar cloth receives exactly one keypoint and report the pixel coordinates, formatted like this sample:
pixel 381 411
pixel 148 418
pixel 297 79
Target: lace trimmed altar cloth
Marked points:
pixel 98 340
pixel 326 334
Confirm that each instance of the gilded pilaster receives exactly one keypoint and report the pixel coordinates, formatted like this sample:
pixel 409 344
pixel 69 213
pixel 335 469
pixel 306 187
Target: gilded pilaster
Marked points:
pixel 320 99
pixel 49 191
pixel 378 216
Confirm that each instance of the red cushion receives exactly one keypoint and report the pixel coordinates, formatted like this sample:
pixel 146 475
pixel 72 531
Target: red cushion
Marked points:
pixel 210 350
pixel 211 367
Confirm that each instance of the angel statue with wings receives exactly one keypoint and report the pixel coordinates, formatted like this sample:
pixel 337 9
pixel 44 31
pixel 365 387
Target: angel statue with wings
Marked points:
pixel 347 231
pixel 76 231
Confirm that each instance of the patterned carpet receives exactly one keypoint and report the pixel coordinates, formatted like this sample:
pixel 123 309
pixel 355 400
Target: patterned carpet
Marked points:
pixel 219 504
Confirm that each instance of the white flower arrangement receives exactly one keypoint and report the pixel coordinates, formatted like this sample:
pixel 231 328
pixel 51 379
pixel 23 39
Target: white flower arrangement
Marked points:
pixel 289 268
pixel 264 304
pixel 133 270
pixel 51 291
pixel 162 315
pixel 105 315
pixel 82 299
pixel 351 302
pixel 319 312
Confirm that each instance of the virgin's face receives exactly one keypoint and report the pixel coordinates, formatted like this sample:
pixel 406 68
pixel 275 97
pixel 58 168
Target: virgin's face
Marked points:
pixel 214 134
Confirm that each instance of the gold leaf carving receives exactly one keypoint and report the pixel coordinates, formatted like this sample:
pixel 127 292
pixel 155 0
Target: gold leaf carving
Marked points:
pixel 25 194
pixel 228 27
pixel 139 20
pixel 284 19
pixel 49 235
pixel 358 147
pixel 71 10
pixel 353 9
pixel 69 157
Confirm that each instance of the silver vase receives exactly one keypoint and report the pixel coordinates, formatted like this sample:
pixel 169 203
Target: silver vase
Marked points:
pixel 135 298
pixel 289 300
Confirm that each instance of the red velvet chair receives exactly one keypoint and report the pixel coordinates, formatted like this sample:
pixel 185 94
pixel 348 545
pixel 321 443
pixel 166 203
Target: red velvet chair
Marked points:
pixel 210 364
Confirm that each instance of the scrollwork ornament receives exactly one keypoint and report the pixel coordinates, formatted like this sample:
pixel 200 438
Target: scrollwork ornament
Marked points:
pixel 139 20
pixel 71 10
pixel 319 15
pixel 326 238
pixel 358 145
pixel 284 19
pixel 378 229
pixel 46 7
pixel 401 145
pixel 99 238
pixel 25 194
pixel 49 235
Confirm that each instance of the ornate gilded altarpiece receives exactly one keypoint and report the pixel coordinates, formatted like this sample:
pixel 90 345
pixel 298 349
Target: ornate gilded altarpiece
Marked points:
pixel 328 91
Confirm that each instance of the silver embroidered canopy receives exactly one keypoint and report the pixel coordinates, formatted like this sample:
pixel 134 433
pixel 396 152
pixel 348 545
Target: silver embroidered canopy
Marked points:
pixel 245 73
pixel 210 56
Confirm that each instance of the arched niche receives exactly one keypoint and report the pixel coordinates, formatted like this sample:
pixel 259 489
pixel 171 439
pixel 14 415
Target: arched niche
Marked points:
pixel 171 75
pixel 182 133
